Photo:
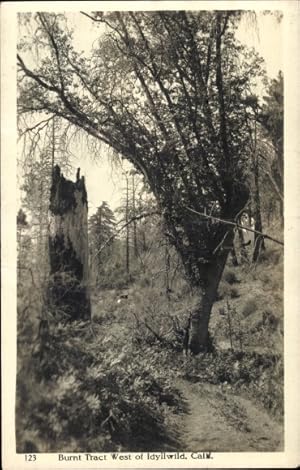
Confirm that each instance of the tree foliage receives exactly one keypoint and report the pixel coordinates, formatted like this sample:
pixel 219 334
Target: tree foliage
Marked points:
pixel 168 91
pixel 101 230
pixel 164 89
pixel 271 118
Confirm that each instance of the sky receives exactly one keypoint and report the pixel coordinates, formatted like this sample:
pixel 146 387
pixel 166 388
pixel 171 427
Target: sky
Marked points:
pixel 105 183
pixel 267 39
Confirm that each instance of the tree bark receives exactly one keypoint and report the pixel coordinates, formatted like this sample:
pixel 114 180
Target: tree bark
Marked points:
pixel 234 256
pixel 258 240
pixel 167 272
pixel 135 244
pixel 204 250
pixel 199 340
pixel 99 252
pixel 68 292
pixel 127 230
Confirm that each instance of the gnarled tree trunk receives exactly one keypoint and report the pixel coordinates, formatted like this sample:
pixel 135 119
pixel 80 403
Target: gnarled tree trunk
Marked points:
pixel 199 340
pixel 68 292
pixel 204 247
pixel 209 280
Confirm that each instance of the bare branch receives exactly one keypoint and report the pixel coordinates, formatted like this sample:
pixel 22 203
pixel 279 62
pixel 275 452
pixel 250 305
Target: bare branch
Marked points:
pixel 98 20
pixel 37 126
pixel 235 224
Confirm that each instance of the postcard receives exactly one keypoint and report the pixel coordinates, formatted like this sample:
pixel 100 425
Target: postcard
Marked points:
pixel 150 234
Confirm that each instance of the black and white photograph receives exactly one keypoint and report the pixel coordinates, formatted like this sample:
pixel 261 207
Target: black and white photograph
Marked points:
pixel 149 232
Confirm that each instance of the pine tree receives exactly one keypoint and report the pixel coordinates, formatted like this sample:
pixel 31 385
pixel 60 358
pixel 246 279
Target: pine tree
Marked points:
pixel 101 230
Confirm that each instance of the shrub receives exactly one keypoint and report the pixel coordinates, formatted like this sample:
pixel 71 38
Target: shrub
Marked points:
pixel 223 290
pixel 260 376
pixel 230 277
pixel 270 256
pixel 264 277
pixel 234 293
pixel 249 307
pixel 82 394
pixel 270 320
pixel 144 281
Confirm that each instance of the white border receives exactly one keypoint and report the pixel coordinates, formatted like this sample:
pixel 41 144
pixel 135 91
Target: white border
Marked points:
pixel 290 458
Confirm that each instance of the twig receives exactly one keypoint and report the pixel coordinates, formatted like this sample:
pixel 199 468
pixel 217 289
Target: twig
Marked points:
pixel 108 419
pixel 241 211
pixel 212 208
pixel 156 335
pixel 30 129
pixel 221 243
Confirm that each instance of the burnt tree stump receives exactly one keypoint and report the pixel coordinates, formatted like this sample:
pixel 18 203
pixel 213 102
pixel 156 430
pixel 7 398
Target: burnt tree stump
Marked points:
pixel 68 291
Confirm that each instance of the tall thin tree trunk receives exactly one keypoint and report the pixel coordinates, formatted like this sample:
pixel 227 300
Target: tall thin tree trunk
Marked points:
pixel 281 174
pixel 68 291
pixel 258 241
pixel 99 250
pixel 240 232
pixel 41 242
pixel 281 213
pixel 53 144
pixel 144 241
pixel 243 250
pixel 20 254
pixel 135 245
pixel 127 229
pixel 234 256
pixel 167 266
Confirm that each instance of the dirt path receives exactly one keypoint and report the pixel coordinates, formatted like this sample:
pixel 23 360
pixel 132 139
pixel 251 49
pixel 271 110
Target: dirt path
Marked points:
pixel 216 420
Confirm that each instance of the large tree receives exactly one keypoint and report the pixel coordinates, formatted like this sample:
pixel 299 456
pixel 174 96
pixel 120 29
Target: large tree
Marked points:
pixel 167 91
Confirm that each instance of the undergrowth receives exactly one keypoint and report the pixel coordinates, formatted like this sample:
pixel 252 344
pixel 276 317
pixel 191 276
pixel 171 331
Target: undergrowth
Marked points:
pixel 108 384
pixel 85 392
pixel 259 376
